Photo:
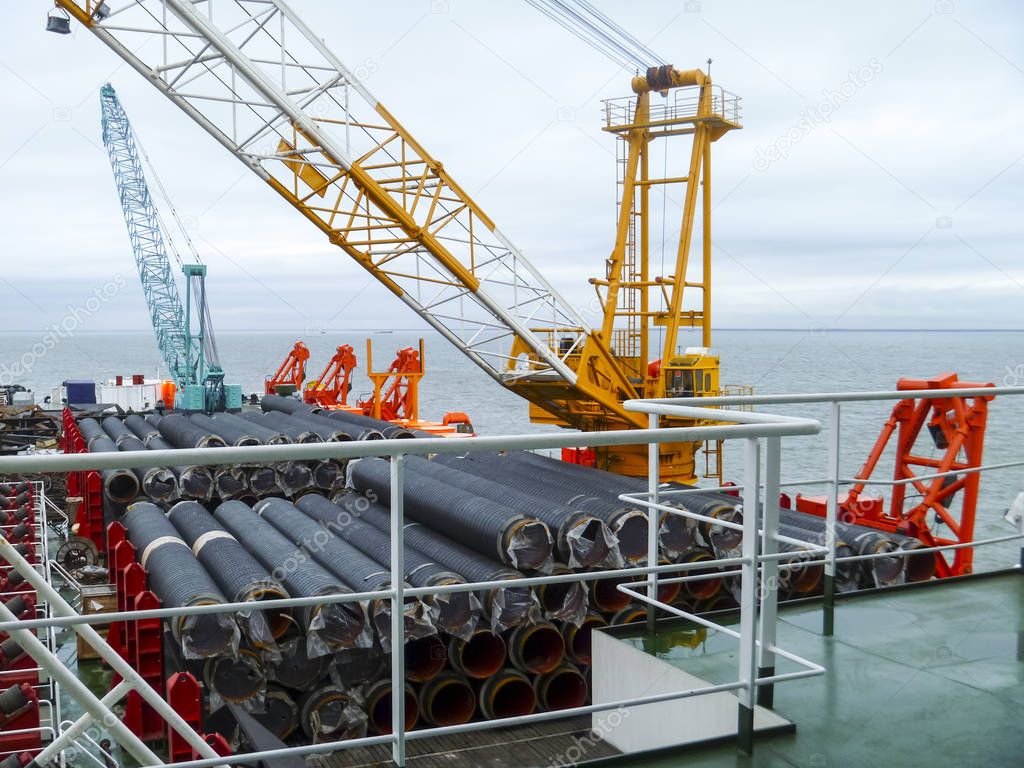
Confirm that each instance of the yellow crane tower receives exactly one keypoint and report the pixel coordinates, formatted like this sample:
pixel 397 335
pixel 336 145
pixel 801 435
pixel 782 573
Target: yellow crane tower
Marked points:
pixel 262 83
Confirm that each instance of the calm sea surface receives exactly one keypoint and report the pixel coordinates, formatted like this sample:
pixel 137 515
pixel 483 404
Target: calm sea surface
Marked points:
pixel 773 361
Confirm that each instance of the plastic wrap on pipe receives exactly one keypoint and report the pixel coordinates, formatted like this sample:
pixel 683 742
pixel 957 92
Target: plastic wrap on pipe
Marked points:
pixel 238 679
pixel 179 579
pixel 330 713
pixel 489 527
pixel 158 483
pixel 328 627
pixel 352 566
pixel 583 540
pixel 238 574
pixel 627 523
pixel 455 613
pixel 505 606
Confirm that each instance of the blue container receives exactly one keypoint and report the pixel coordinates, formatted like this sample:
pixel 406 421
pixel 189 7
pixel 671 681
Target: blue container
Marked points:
pixel 80 391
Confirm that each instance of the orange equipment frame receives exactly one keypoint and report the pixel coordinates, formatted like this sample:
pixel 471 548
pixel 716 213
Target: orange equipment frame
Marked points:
pixel 401 399
pixel 332 386
pixel 291 371
pixel 957 427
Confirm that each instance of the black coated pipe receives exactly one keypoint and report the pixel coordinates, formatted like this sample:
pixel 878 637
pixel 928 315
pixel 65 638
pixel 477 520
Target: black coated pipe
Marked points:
pixel 564 601
pixel 628 524
pixel 182 433
pixel 121 486
pixel 226 431
pixel 297 431
pixel 582 540
pixel 193 482
pixel 235 679
pixel 179 579
pixel 158 483
pixel 453 612
pixel 351 565
pixel 294 667
pixel 505 606
pixel 263 433
pixel 329 713
pixel 238 574
pixel 489 527
pixel 280 713
pixel 676 533
pixel 328 627
pixel 359 427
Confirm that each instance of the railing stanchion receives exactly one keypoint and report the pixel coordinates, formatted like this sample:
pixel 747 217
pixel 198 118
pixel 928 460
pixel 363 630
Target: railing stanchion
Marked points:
pixel 769 590
pixel 831 514
pixel 748 596
pixel 653 481
pixel 397 606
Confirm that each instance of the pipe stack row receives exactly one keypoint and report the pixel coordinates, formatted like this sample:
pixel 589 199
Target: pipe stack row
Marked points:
pixel 250 482
pixel 322 670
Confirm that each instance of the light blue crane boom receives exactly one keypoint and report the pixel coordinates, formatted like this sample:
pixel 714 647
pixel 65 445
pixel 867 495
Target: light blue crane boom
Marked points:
pixel 189 351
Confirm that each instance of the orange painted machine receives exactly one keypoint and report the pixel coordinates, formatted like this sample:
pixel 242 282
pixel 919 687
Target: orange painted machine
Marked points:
pixel 395 396
pixel 957 429
pixel 332 386
pixel 290 374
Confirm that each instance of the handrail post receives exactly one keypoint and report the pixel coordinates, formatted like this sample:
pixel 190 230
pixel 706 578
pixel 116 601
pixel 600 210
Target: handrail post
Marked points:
pixel 769 592
pixel 653 515
pixel 397 609
pixel 748 596
pixel 831 514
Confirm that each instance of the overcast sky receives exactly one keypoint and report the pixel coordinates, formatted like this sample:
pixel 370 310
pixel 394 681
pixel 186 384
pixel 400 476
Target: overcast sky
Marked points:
pixel 876 183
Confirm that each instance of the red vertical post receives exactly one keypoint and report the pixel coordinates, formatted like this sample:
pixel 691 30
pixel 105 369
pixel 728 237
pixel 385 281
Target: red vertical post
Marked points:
pixel 149 661
pixel 184 696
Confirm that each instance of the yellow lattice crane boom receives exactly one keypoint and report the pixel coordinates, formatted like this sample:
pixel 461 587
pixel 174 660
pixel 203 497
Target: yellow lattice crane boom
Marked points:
pixel 263 84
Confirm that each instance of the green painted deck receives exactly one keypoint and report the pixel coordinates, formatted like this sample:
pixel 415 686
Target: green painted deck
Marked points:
pixel 928 676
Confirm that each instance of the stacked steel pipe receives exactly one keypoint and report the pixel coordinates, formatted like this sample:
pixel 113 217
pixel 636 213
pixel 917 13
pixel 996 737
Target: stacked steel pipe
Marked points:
pixel 322 669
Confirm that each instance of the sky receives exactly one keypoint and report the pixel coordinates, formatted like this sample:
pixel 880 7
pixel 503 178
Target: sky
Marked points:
pixel 876 182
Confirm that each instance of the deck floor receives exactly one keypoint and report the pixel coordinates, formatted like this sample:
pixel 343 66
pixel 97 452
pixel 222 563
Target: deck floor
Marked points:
pixel 531 746
pixel 924 677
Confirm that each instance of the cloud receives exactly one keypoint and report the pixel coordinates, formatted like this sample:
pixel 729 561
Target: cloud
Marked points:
pixel 512 105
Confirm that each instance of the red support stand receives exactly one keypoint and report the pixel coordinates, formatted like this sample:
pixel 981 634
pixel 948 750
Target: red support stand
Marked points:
pixel 149 662
pixel 89 520
pixel 21 718
pixel 185 698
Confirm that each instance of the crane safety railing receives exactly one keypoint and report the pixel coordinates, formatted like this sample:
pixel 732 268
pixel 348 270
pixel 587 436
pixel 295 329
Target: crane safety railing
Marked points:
pixel 681 105
pixel 749 426
pixel 761 434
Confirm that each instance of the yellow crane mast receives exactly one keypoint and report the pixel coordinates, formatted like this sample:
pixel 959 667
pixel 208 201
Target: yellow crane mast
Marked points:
pixel 259 80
